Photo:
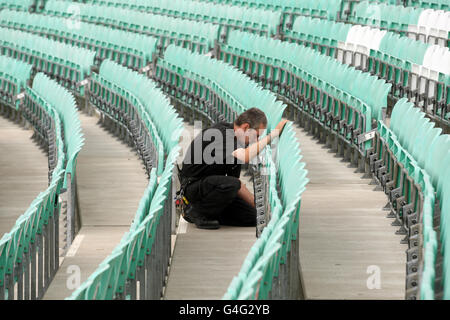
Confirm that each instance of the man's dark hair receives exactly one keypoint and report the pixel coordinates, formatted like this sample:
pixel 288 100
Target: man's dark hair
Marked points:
pixel 254 117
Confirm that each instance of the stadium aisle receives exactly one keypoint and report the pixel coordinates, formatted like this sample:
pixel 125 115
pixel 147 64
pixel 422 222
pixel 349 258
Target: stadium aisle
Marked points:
pixel 205 261
pixel 346 241
pixel 23 172
pixel 111 181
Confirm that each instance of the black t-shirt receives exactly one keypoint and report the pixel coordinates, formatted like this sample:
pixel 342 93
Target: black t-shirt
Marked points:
pixel 210 153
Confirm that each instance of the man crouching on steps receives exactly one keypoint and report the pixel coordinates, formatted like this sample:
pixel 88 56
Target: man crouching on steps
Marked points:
pixel 212 166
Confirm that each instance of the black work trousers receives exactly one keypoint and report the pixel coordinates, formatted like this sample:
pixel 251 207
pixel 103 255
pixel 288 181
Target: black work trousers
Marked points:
pixel 215 197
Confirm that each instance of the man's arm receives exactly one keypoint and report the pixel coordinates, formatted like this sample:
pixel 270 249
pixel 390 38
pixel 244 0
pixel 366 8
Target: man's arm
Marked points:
pixel 246 195
pixel 245 155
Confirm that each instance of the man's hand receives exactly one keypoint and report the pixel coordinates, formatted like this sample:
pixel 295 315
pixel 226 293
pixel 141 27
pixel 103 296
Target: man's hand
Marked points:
pixel 245 155
pixel 279 128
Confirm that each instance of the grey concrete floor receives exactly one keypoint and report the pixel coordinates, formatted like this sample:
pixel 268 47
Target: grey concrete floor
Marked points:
pixel 344 233
pixel 205 261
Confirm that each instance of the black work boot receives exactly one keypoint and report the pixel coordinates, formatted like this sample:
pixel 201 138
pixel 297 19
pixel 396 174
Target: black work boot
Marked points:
pixel 187 214
pixel 201 222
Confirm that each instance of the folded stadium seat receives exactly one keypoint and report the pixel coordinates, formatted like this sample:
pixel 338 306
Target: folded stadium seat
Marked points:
pixel 171 10
pixel 133 253
pixel 354 43
pixel 94 287
pixel 142 243
pixel 415 120
pixel 428 274
pixel 5 244
pixel 144 204
pixel 445 235
pixel 266 266
pixel 112 281
pixel 254 257
pixel 424 136
pixel 437 58
pixel 435 162
pixel 432 4
pixel 121 269
pixel 14 75
pixel 434 23
pixel 442 181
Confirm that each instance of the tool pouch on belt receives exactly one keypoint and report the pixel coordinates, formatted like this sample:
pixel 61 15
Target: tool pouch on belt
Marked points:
pixel 181 202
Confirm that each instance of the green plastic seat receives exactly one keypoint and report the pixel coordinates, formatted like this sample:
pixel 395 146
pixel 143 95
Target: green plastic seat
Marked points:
pixel 438 158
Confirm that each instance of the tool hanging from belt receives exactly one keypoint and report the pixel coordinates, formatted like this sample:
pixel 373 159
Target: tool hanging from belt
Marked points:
pixel 180 200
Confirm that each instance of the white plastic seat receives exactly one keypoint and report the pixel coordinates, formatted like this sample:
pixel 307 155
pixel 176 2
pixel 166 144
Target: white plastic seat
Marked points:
pixel 353 34
pixel 424 18
pixel 437 60
pixel 379 34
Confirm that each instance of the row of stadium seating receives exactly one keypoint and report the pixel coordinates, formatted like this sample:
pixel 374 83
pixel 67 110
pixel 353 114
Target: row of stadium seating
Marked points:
pixel 437 107
pixel 64 103
pixel 364 39
pixel 416 70
pixel 427 25
pixel 320 87
pixel 317 65
pixel 143 254
pixel 412 162
pixel 276 251
pixel 264 22
pixel 69 65
pixel 29 255
pixel 338 9
pixel 331 33
pixel 17 4
pixel 14 75
pixel 198 36
pixel 432 4
pixel 133 50
pixel 317 8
